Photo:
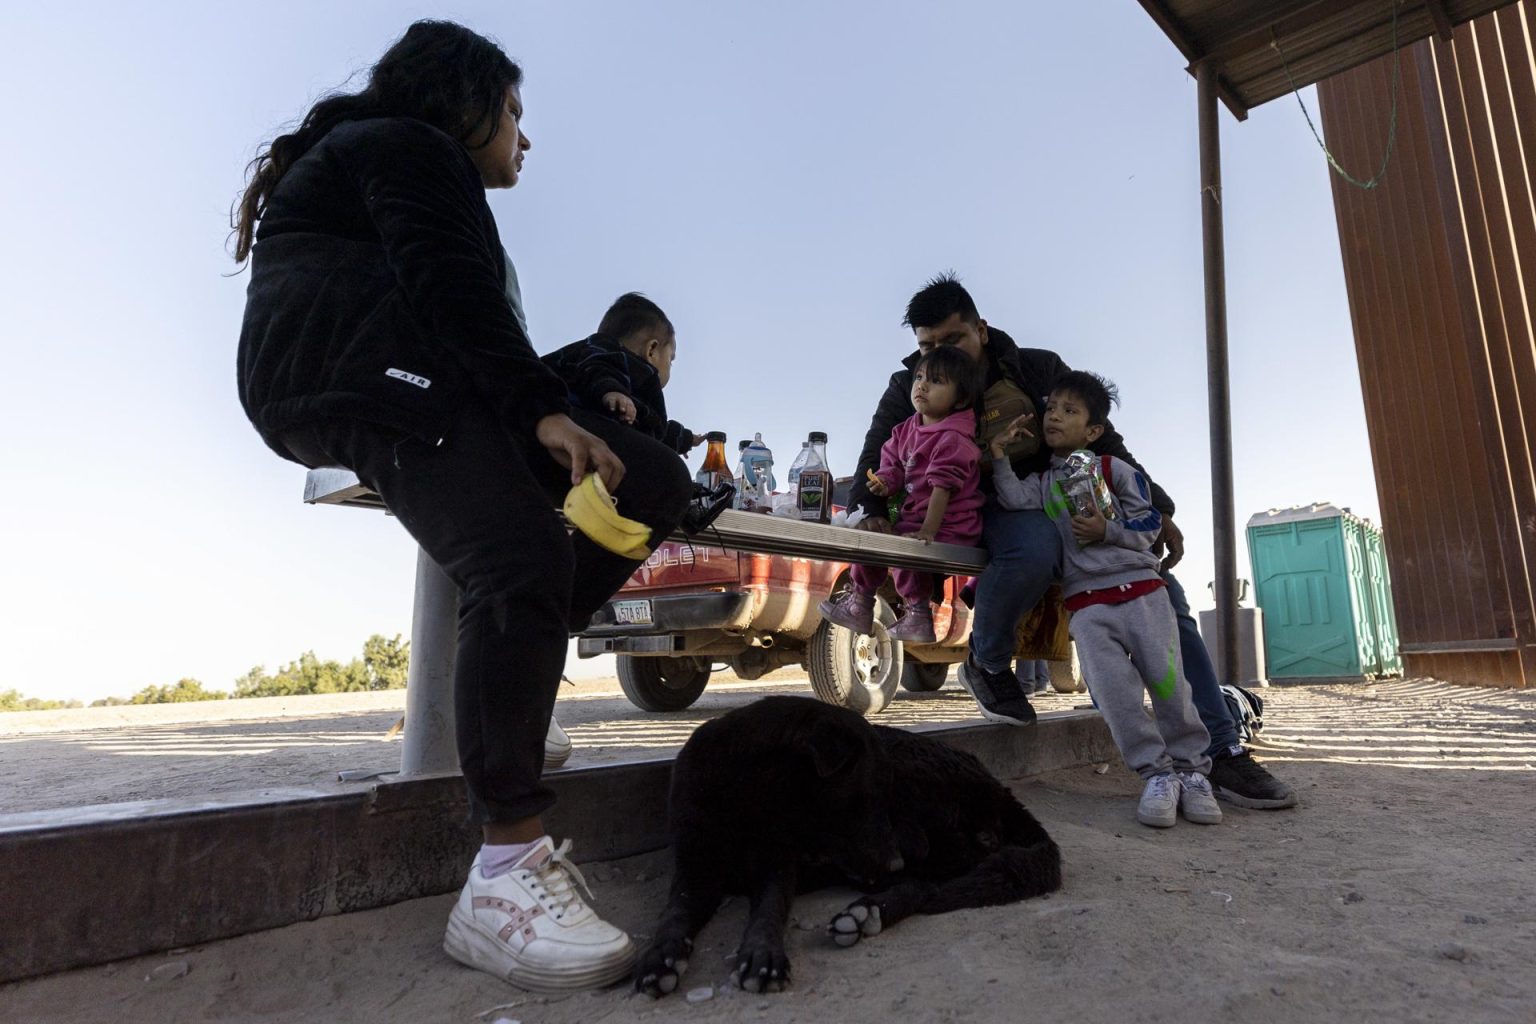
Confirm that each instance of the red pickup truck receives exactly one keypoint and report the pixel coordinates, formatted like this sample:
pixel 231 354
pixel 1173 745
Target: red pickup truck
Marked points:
pixel 690 609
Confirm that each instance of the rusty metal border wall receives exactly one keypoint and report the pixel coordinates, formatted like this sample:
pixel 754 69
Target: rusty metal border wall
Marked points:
pixel 1440 267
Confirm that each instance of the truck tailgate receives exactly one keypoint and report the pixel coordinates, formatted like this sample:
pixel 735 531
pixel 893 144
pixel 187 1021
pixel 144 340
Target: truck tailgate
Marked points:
pixel 680 566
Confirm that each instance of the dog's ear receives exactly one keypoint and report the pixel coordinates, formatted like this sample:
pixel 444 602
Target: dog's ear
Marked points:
pixel 832 748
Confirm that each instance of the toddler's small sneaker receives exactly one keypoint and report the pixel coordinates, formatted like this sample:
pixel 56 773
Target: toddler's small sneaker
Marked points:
pixel 1196 800
pixel 851 610
pixel 557 746
pixel 915 625
pixel 531 927
pixel 1159 807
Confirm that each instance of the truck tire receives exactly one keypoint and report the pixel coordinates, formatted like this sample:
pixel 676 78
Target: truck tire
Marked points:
pixel 923 677
pixel 662 684
pixel 853 671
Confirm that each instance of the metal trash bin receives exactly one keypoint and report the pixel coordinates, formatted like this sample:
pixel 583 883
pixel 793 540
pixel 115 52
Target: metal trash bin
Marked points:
pixel 1251 668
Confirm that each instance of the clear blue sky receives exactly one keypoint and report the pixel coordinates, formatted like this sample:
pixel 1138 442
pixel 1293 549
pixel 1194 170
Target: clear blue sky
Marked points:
pixel 780 177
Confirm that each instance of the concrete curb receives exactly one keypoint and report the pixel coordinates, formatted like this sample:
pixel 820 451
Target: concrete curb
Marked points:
pixel 95 884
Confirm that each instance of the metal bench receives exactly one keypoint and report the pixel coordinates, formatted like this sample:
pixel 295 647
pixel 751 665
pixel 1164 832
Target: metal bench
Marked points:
pixel 429 746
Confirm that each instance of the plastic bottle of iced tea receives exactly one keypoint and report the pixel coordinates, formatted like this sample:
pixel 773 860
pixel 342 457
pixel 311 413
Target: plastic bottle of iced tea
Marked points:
pixel 814 498
pixel 715 470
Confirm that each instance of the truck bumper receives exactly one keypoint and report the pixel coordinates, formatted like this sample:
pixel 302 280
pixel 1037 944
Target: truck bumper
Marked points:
pixel 669 617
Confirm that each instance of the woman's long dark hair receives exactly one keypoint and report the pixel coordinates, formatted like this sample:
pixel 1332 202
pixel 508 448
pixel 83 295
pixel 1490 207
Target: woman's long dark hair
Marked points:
pixel 438 72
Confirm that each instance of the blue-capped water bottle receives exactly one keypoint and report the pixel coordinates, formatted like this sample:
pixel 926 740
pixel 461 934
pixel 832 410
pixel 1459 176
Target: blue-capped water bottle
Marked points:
pixel 757 464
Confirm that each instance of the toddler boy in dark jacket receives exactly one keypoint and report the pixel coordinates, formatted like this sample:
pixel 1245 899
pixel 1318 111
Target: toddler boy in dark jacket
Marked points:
pixel 622 369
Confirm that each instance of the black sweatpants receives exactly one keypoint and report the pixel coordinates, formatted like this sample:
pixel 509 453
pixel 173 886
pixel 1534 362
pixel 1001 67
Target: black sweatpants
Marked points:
pixel 482 506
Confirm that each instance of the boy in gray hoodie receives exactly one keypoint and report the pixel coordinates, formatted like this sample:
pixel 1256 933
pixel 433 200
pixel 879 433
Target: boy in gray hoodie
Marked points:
pixel 1127 638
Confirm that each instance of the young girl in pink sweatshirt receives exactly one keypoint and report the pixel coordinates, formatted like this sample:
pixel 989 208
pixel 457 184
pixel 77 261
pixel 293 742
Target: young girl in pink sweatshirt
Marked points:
pixel 934 456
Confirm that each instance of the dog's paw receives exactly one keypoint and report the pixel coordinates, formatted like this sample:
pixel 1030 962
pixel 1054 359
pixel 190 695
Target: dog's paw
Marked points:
pixel 660 967
pixel 763 969
pixel 860 920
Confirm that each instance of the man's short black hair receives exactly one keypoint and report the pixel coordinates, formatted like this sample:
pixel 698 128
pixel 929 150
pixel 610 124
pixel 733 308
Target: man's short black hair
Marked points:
pixel 633 313
pixel 1097 393
pixel 950 365
pixel 938 300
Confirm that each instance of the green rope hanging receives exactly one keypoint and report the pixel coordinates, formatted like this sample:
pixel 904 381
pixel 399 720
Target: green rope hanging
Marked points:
pixel 1391 123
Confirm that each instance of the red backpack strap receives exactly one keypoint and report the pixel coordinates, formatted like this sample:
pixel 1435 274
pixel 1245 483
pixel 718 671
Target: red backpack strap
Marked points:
pixel 1107 462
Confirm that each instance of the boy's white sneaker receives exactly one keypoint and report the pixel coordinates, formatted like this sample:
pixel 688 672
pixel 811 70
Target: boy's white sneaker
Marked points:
pixel 531 927
pixel 557 746
pixel 1196 799
pixel 1159 807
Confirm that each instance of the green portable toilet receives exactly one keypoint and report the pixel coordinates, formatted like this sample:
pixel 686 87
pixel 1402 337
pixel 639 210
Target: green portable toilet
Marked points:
pixel 1388 655
pixel 1320 576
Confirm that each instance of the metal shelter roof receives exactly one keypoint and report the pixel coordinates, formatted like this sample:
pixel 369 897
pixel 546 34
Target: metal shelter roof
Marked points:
pixel 1252 43
pixel 1244 53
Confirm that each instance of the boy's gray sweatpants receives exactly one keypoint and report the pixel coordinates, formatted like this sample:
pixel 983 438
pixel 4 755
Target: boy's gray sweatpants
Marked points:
pixel 1125 649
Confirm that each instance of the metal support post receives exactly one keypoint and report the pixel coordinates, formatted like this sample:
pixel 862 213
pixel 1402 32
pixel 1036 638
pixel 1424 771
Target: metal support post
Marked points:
pixel 1217 382
pixel 430 746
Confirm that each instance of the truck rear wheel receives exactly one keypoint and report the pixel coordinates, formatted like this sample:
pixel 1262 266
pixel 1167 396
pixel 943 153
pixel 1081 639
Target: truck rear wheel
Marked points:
pixel 662 684
pixel 857 672
pixel 921 677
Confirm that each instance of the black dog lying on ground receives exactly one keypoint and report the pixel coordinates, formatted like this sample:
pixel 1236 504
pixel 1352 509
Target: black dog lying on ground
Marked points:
pixel 790 794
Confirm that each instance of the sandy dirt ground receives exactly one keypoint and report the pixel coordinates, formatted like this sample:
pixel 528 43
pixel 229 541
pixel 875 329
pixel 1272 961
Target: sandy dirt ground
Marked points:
pixel 81 756
pixel 1400 891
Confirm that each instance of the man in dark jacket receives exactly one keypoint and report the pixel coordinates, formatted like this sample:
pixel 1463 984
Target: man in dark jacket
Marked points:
pixel 1024 549
pixel 622 369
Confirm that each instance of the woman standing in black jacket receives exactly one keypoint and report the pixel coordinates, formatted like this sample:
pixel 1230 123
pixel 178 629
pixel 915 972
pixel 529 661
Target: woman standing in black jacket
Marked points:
pixel 383 332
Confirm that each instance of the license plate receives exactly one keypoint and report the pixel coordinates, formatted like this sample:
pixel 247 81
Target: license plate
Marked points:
pixel 632 613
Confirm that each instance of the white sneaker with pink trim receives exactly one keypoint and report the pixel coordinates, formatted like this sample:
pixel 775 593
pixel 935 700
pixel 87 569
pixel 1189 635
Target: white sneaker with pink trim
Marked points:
pixel 531 927
pixel 557 746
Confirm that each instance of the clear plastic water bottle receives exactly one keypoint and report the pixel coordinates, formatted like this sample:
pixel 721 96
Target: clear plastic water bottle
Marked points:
pixel 746 489
pixel 1078 488
pixel 799 464
pixel 1085 486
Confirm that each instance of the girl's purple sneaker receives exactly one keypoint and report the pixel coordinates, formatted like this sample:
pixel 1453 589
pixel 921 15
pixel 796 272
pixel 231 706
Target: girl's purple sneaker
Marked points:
pixel 915 625
pixel 851 610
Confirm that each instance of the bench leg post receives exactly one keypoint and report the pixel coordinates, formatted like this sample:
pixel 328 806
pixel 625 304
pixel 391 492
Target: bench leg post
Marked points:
pixel 429 745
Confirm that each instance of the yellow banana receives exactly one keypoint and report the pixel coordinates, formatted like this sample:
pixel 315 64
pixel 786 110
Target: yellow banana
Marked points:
pixel 591 509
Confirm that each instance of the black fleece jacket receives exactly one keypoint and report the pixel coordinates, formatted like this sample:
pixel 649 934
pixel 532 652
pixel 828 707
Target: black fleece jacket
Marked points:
pixel 378 292
pixel 598 365
pixel 1032 370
